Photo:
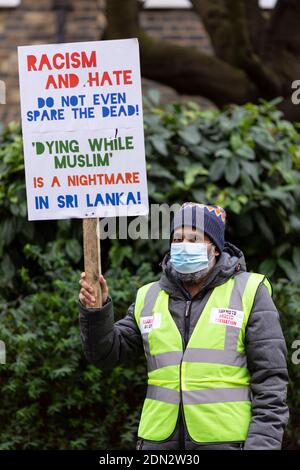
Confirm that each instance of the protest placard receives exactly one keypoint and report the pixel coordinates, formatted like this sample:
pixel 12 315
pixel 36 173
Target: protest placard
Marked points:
pixel 82 123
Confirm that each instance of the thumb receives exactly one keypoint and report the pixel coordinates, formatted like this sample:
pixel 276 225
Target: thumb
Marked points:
pixel 104 286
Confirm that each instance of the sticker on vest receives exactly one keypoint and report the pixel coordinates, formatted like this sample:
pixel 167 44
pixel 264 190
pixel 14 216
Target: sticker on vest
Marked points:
pixel 152 321
pixel 227 316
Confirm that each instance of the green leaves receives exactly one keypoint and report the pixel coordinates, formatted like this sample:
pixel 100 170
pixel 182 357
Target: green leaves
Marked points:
pixel 47 383
pixel 217 169
pixel 245 152
pixel 251 169
pixel 159 144
pixel 7 269
pixel 264 227
pixel 267 267
pixel 232 171
pixel 190 135
pixel 74 250
pixel 236 141
pixel 192 172
pixel 225 153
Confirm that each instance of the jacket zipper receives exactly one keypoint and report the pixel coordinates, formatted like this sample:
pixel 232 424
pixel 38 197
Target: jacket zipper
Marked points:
pixel 186 337
pixel 187 322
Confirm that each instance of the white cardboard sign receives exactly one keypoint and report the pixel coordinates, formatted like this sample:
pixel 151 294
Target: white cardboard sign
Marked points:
pixel 82 123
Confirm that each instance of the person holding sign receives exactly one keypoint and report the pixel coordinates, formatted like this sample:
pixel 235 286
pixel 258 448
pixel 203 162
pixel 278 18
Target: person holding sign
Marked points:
pixel 216 355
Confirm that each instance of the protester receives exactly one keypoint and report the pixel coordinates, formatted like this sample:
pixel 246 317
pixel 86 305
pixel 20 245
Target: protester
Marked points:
pixel 211 334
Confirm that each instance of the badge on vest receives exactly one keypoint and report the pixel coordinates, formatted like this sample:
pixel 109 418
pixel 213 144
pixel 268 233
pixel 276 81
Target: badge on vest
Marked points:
pixel 152 321
pixel 227 316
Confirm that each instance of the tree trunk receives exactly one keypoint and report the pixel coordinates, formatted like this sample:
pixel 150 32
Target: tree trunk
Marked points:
pixel 254 58
pixel 214 15
pixel 179 67
pixel 188 70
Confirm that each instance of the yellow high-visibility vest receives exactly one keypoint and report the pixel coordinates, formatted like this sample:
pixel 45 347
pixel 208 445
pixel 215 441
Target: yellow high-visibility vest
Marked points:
pixel 210 376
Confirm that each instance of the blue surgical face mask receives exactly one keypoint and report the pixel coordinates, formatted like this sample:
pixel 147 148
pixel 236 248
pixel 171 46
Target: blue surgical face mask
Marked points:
pixel 189 257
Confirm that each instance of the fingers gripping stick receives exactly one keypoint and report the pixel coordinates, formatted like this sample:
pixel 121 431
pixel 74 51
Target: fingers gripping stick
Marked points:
pixel 92 257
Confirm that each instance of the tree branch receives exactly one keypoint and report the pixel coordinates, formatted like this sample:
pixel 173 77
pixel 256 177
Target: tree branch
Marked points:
pixel 122 19
pixel 246 58
pixel 214 16
pixel 231 25
pixel 282 44
pixel 186 68
pixel 257 25
pixel 178 66
pixel 284 27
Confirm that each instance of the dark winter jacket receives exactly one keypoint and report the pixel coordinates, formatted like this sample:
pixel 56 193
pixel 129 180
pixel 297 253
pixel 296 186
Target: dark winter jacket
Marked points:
pixel 107 344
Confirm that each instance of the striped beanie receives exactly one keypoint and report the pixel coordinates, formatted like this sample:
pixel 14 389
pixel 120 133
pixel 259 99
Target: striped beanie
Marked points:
pixel 208 218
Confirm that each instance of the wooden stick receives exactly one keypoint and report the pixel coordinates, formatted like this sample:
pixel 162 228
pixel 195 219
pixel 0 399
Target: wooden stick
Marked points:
pixel 92 256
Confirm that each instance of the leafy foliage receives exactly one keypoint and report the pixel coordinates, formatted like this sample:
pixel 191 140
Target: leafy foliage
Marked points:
pixel 287 296
pixel 50 397
pixel 246 159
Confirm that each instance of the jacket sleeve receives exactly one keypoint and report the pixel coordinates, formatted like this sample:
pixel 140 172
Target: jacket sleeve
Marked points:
pixel 105 343
pixel 266 355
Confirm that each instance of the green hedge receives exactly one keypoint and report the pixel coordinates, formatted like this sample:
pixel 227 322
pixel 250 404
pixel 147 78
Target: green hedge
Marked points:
pixel 246 159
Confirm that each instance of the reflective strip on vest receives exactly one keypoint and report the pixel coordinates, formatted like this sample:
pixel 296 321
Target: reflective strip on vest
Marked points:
pixel 215 395
pixel 147 309
pixel 198 397
pixel 164 394
pixel 232 333
pixel 215 356
pixel 164 359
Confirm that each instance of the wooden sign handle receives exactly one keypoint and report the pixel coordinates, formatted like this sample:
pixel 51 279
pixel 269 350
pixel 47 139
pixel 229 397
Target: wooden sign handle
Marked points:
pixel 92 256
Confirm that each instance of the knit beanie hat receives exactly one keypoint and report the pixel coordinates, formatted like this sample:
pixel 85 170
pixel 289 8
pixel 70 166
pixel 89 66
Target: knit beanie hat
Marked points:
pixel 209 219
